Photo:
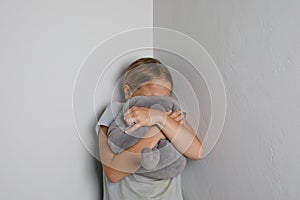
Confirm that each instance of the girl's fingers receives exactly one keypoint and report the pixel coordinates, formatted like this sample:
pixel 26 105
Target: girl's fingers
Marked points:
pixel 179 118
pixel 169 112
pixel 132 128
pixel 127 114
pixel 176 114
pixel 142 116
pixel 128 119
pixel 129 111
pixel 134 111
pixel 136 114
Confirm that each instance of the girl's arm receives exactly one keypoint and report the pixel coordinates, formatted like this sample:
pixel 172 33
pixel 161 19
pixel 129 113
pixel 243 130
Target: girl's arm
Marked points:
pixel 181 135
pixel 116 167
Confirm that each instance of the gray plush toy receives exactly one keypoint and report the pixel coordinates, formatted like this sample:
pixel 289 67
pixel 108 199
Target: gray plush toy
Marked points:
pixel 164 160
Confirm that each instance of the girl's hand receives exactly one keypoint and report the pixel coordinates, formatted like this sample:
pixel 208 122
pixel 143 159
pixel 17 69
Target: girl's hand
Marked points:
pixel 142 116
pixel 177 115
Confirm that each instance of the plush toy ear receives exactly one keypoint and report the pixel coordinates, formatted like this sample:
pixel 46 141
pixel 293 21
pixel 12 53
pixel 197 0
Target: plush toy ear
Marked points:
pixel 127 93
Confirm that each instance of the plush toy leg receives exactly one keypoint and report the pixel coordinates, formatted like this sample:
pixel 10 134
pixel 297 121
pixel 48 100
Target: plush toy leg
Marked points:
pixel 149 158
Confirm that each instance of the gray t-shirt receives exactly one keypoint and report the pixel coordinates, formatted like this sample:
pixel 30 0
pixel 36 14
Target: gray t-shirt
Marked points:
pixel 135 186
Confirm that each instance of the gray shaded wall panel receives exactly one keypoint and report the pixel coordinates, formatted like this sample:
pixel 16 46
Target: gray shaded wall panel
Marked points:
pixel 256 46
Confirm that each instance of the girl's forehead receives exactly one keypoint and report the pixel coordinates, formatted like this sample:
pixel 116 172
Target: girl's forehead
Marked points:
pixel 157 84
pixel 155 88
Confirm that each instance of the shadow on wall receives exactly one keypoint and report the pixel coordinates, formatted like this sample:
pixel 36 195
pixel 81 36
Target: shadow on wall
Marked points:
pixel 99 173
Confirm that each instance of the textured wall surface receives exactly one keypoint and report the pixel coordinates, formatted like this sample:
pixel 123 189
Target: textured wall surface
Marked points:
pixel 42 46
pixel 256 46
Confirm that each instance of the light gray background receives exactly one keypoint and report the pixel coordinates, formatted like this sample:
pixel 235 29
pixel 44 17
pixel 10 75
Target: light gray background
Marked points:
pixel 42 46
pixel 254 43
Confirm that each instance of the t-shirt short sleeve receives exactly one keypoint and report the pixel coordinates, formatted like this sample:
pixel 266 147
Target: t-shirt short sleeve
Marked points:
pixel 109 114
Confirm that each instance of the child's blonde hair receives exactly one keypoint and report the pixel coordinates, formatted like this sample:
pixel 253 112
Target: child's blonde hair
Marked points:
pixel 145 70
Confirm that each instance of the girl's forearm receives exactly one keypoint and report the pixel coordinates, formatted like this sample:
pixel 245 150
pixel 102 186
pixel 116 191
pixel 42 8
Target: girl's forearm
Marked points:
pixel 182 136
pixel 125 161
pixel 118 166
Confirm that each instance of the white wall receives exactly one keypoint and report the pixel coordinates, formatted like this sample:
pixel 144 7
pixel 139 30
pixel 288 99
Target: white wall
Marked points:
pixel 42 46
pixel 256 45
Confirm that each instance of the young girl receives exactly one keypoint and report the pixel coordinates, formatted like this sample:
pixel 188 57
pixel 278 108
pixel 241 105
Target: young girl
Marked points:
pixel 120 182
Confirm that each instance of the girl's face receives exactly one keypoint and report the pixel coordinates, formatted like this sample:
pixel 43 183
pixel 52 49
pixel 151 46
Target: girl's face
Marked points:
pixel 154 88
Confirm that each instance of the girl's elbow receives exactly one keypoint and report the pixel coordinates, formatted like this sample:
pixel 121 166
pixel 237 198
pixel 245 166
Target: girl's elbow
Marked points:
pixel 198 155
pixel 111 175
pixel 112 178
pixel 195 157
